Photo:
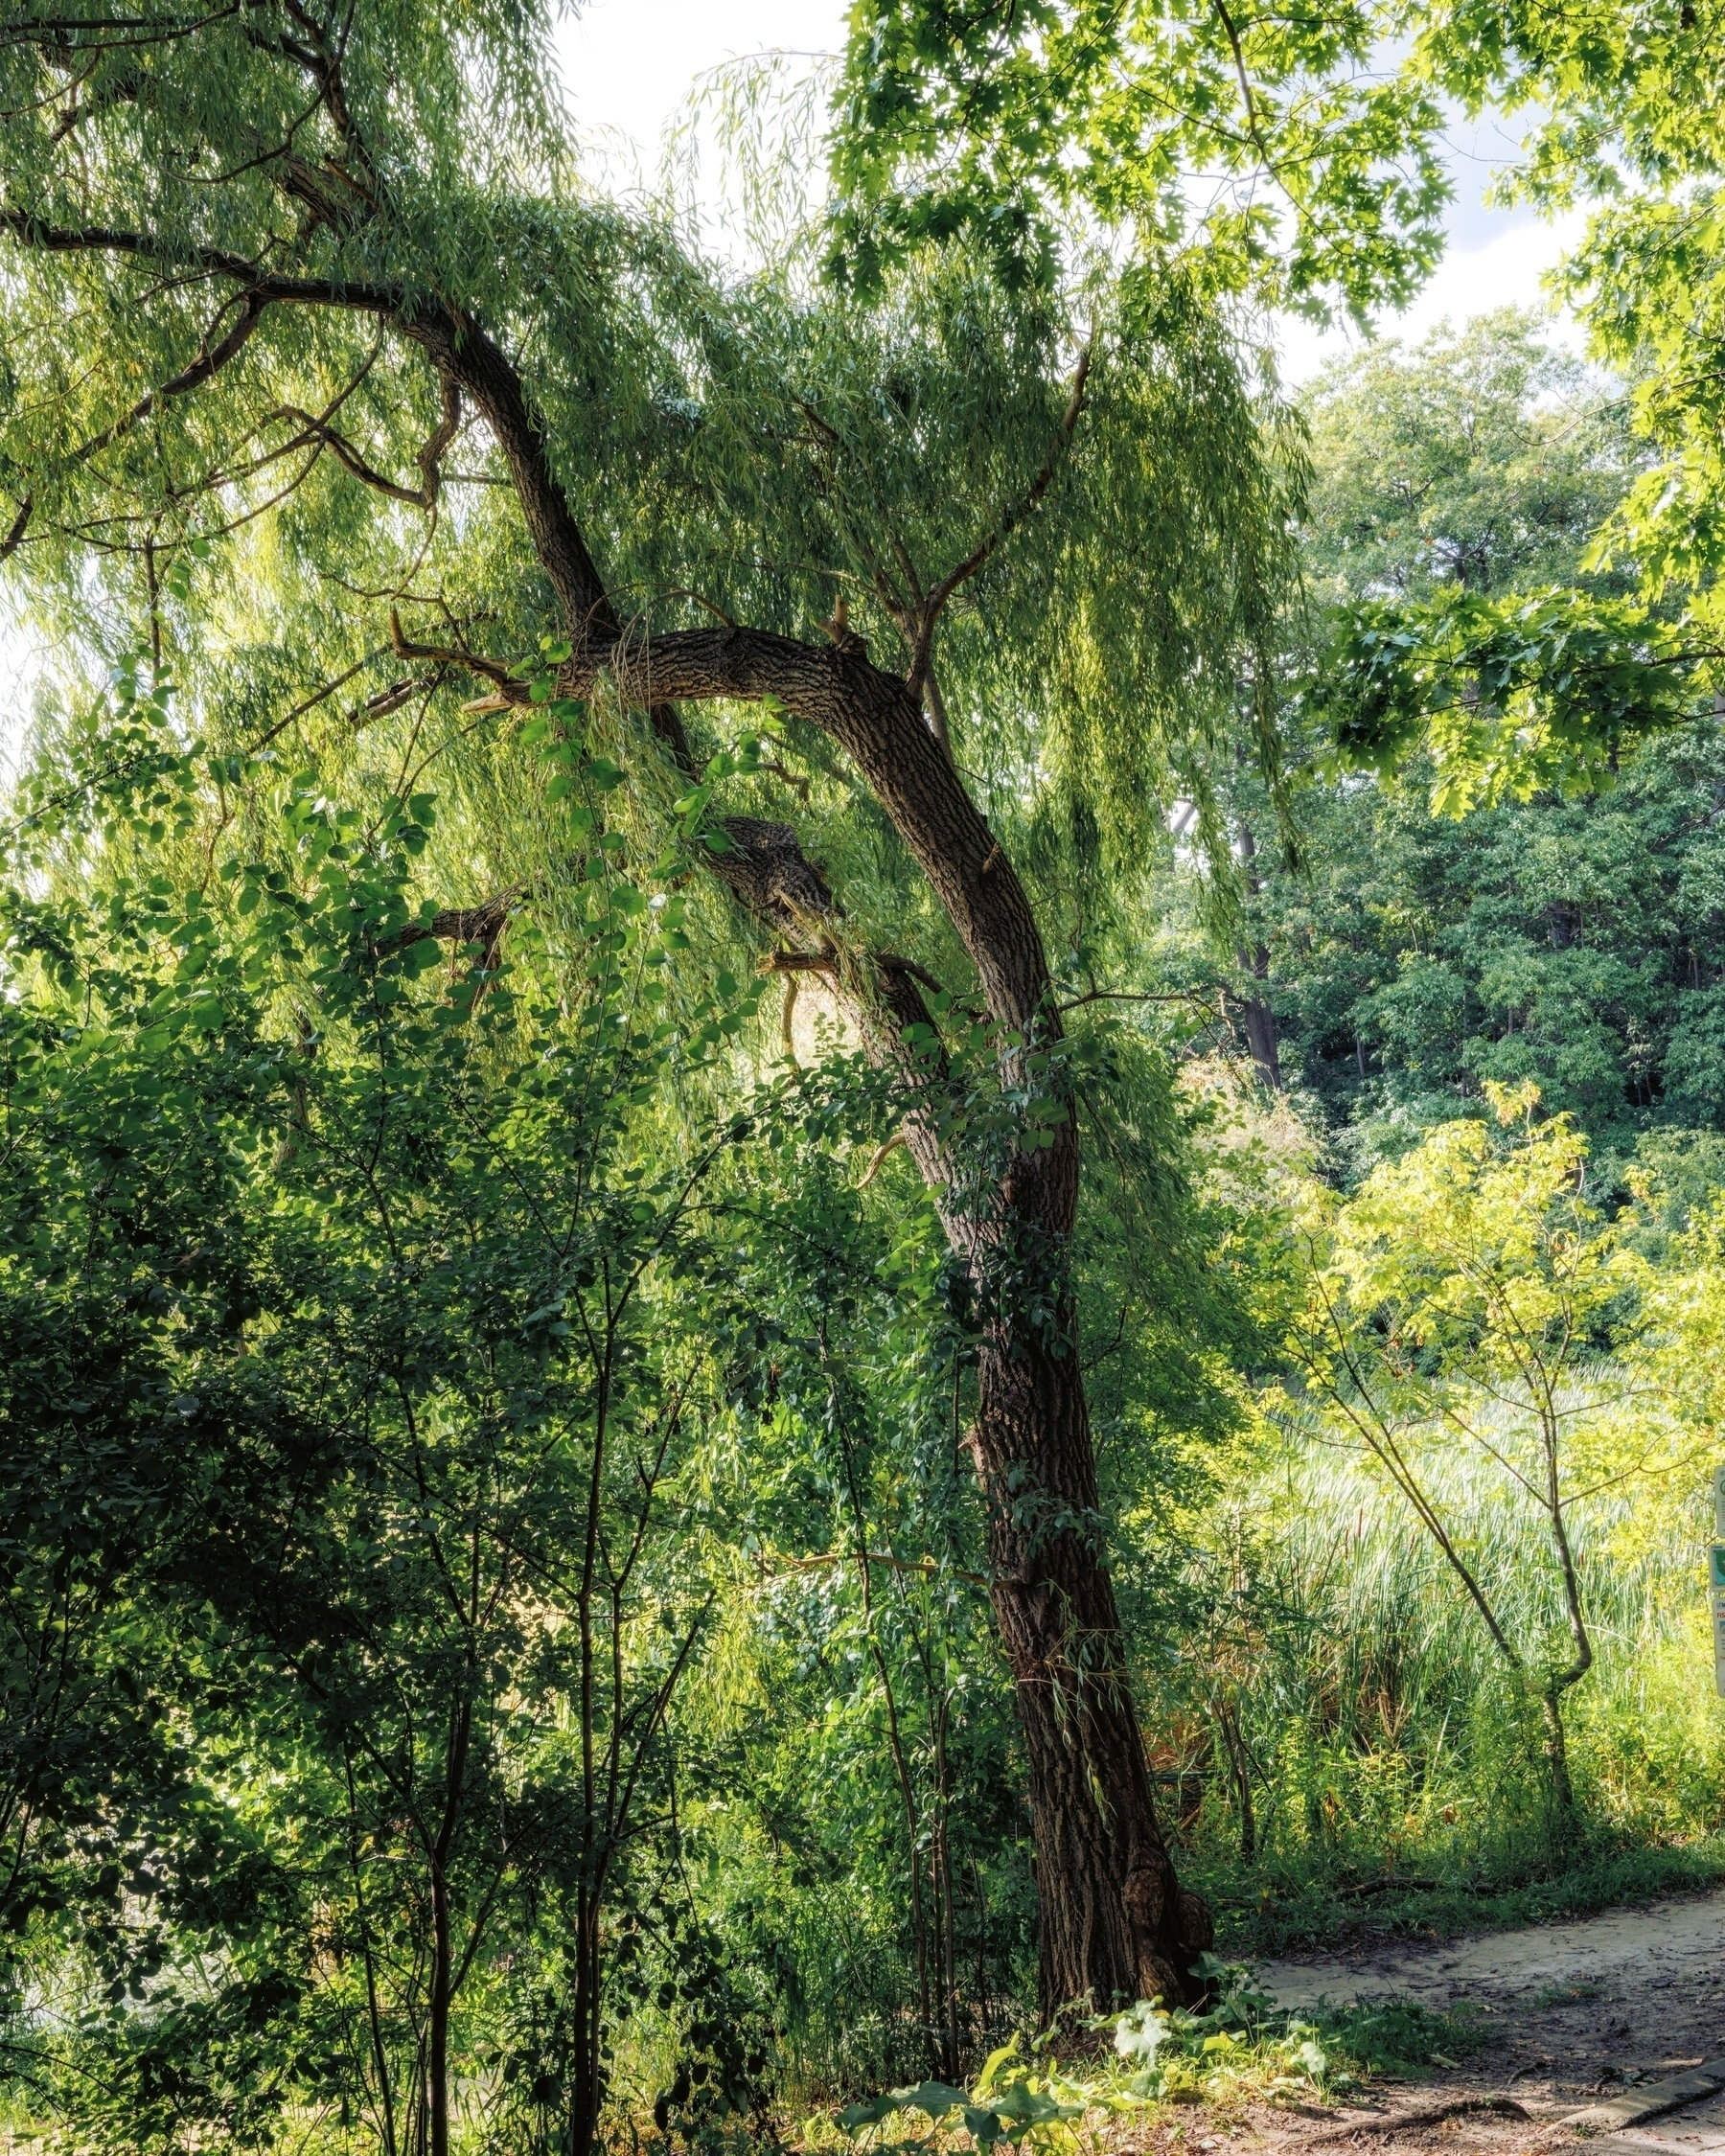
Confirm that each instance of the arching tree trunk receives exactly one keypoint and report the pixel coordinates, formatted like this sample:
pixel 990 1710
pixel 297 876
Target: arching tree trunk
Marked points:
pixel 1115 1924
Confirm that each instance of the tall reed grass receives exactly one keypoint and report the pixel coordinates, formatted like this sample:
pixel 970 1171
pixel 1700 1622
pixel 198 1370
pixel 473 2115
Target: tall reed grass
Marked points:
pixel 1348 1725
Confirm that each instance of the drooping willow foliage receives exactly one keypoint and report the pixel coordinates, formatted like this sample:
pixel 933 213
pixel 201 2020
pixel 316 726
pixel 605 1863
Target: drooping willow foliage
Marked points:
pixel 764 448
pixel 488 1404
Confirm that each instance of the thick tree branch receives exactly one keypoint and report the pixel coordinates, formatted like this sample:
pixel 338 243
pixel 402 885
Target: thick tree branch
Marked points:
pixel 481 924
pixel 116 32
pixel 874 717
pixel 462 926
pixel 765 869
pixel 210 360
pixel 268 285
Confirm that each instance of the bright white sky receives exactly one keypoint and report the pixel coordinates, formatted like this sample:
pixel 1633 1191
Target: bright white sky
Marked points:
pixel 631 66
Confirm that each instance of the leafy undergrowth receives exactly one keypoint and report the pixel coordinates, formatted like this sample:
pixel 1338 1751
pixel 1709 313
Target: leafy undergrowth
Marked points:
pixel 1291 1911
pixel 1146 2064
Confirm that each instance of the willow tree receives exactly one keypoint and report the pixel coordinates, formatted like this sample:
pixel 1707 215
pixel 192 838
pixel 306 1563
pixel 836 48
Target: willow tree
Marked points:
pixel 320 364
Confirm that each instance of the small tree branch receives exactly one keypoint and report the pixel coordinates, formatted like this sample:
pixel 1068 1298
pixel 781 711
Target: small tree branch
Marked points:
pixel 880 1159
pixel 310 703
pixel 396 695
pixel 799 962
pixel 1233 34
pixel 798 786
pixel 787 1032
pixel 1136 995
pixel 20 524
pixel 430 458
pixel 683 591
pixel 490 670
pixel 928 612
pixel 927 1566
pixel 889 962
pixel 210 360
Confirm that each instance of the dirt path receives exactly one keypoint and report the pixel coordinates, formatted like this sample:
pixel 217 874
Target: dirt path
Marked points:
pixel 1571 2015
pixel 1635 1953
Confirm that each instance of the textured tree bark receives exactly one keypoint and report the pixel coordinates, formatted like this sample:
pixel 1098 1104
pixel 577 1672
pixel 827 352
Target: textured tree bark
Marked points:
pixel 1262 1042
pixel 1115 1924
